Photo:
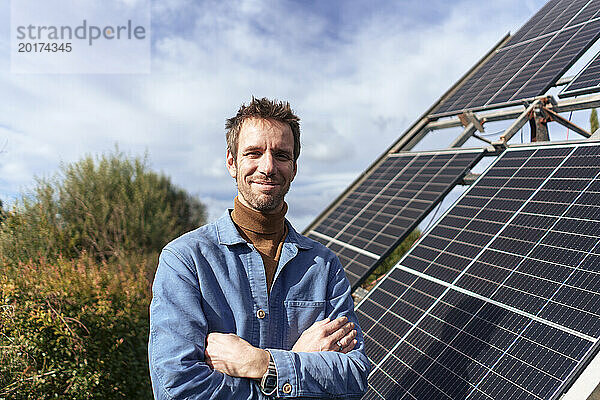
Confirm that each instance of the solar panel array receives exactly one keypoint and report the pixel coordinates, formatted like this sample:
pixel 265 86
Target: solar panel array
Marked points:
pixel 587 81
pixel 501 298
pixel 389 204
pixel 532 60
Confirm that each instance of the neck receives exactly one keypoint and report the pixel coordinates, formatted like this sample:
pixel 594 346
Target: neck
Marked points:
pixel 257 221
pixel 243 202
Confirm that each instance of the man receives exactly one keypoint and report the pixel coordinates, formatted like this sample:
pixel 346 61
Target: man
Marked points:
pixel 245 307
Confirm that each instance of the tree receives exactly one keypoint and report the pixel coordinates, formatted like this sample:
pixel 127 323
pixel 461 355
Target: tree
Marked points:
pixel 106 206
pixel 594 121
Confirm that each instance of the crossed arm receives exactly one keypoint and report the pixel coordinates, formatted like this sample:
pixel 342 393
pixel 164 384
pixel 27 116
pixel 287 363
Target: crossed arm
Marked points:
pixel 232 355
pixel 188 362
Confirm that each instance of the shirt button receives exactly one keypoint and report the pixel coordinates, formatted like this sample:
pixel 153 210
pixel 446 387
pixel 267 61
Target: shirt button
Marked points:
pixel 287 388
pixel 260 314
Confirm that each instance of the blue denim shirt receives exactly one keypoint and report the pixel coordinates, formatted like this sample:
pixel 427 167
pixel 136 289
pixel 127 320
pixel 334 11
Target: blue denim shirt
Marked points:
pixel 212 280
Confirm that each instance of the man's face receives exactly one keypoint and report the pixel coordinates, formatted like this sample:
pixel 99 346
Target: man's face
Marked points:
pixel 265 165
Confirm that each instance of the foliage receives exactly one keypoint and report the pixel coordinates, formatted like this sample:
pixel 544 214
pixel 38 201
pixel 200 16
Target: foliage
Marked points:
pixel 76 260
pixel 74 329
pixel 392 259
pixel 594 121
pixel 107 207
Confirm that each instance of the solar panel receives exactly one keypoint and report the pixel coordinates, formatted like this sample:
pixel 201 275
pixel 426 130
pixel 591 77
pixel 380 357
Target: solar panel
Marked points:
pixel 501 298
pixel 389 204
pixel 532 60
pixel 587 81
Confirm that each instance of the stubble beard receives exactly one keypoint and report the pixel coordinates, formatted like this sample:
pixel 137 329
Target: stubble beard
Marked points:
pixel 261 201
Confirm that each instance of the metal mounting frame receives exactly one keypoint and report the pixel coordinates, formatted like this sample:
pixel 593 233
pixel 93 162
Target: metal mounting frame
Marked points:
pixel 520 116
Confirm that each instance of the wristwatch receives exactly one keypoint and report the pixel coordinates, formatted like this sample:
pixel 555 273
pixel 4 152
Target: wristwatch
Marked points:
pixel 268 383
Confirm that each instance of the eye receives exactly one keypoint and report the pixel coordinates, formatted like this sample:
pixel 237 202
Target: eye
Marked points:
pixel 252 153
pixel 283 156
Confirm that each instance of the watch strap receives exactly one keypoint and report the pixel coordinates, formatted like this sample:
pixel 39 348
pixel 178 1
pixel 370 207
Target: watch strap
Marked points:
pixel 268 383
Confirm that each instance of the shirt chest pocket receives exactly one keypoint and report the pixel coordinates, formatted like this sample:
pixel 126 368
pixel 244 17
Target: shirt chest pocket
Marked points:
pixel 301 314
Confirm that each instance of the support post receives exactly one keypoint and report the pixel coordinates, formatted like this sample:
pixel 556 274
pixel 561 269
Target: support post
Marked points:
pixel 517 124
pixel 539 126
pixel 464 136
pixel 552 116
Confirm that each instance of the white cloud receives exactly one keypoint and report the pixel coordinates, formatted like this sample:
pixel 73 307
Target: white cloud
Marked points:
pixel 356 89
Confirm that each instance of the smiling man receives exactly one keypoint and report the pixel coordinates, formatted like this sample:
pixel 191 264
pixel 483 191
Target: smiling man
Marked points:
pixel 245 307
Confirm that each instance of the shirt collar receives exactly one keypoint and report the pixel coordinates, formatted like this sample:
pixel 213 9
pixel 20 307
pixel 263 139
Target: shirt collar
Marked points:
pixel 228 234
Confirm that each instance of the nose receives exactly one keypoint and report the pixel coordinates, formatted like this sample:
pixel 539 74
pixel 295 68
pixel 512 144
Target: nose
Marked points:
pixel 266 165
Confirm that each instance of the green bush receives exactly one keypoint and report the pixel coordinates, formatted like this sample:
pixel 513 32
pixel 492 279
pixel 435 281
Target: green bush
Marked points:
pixel 107 207
pixel 76 260
pixel 74 330
pixel 2 212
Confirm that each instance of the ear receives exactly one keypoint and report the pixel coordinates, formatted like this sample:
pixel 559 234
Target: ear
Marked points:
pixel 231 165
pixel 295 170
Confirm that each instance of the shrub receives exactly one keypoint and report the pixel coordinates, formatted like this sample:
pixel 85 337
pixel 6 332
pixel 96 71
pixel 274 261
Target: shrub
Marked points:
pixel 76 260
pixel 2 212
pixel 74 330
pixel 107 207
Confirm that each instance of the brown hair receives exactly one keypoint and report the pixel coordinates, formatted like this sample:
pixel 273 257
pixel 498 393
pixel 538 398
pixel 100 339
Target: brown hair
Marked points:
pixel 266 109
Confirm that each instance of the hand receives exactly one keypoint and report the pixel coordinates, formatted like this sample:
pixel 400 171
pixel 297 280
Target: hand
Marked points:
pixel 324 336
pixel 233 356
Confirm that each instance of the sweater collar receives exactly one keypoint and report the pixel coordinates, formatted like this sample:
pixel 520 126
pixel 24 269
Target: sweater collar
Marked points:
pixel 228 234
pixel 256 221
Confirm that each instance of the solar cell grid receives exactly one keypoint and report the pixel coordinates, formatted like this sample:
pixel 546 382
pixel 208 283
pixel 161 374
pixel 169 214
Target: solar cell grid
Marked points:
pixel 532 26
pixel 587 81
pixel 554 19
pixel 532 60
pixel 560 62
pixel 465 346
pixel 513 304
pixel 566 17
pixel 387 205
pixel 498 70
pixel 549 57
pixel 515 60
pixel 588 12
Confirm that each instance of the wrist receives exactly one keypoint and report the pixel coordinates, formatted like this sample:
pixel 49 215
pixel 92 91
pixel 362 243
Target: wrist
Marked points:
pixel 268 382
pixel 260 363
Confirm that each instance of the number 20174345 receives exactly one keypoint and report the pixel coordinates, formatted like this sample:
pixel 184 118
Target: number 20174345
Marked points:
pixel 41 47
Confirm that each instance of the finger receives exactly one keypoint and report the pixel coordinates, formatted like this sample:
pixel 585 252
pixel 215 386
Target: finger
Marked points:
pixel 334 325
pixel 346 340
pixel 348 336
pixel 208 360
pixel 335 338
pixel 350 346
pixel 342 332
pixel 319 324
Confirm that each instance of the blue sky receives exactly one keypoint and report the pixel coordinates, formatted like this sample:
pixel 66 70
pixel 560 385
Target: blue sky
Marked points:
pixel 358 73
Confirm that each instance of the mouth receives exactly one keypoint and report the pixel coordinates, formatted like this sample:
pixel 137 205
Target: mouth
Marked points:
pixel 265 185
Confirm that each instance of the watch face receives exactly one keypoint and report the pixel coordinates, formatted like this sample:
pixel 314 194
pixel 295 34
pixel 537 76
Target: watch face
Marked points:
pixel 270 381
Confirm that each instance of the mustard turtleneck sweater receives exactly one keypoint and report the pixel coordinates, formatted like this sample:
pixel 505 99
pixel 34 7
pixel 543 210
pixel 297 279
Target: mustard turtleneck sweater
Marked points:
pixel 265 231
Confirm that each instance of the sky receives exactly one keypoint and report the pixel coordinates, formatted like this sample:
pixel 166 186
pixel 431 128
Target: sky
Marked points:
pixel 358 73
